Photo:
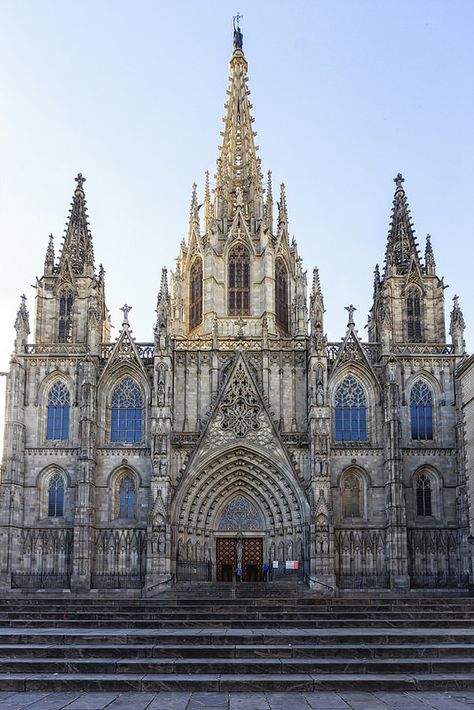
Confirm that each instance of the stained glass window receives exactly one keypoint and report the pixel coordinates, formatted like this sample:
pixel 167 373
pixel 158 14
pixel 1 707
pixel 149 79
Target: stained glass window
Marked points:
pixel 127 403
pixel 58 412
pixel 350 411
pixel 414 317
pixel 281 294
pixel 421 409
pixel 66 300
pixel 351 495
pixel 423 495
pixel 239 281
pixel 195 294
pixel 127 497
pixel 56 496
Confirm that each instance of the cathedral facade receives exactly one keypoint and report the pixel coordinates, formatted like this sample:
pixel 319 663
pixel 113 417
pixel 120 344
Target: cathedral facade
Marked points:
pixel 240 445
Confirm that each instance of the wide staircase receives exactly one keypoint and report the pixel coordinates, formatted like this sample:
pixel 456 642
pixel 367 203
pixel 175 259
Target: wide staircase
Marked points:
pixel 229 638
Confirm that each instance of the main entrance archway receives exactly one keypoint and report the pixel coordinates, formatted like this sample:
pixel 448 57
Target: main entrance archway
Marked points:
pixel 240 493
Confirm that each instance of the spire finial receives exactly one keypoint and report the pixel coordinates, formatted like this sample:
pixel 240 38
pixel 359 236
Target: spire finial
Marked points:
pixel 350 309
pixel 126 310
pixel 80 179
pixel 399 180
pixel 238 37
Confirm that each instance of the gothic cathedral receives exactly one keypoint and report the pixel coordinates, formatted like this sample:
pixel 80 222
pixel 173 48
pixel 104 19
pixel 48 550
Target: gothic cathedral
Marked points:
pixel 240 445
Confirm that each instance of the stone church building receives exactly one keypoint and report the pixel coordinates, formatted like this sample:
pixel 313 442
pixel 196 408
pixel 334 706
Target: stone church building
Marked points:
pixel 239 445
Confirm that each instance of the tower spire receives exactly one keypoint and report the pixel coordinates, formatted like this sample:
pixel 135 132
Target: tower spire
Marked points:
pixel 238 176
pixel 401 243
pixel 194 210
pixel 77 250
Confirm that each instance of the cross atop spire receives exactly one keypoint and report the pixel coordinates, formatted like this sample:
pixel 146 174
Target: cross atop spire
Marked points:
pixel 350 309
pixel 80 179
pixel 238 37
pixel 399 180
pixel 126 310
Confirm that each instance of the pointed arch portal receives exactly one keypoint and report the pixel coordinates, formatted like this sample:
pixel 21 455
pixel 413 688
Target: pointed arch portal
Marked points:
pixel 241 495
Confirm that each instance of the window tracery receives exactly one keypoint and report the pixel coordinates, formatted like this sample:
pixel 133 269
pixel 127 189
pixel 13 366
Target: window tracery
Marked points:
pixel 195 294
pixel 413 316
pixel 281 293
pixel 66 302
pixel 423 496
pixel 421 411
pixel 127 412
pixel 56 496
pixel 59 402
pixel 126 497
pixel 350 411
pixel 239 281
pixel 352 490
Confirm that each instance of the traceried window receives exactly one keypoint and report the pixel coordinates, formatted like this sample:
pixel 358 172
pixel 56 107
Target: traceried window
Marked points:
pixel 239 281
pixel 281 294
pixel 66 301
pixel 126 497
pixel 421 411
pixel 127 412
pixel 351 495
pixel 350 411
pixel 414 317
pixel 56 496
pixel 423 496
pixel 195 294
pixel 58 412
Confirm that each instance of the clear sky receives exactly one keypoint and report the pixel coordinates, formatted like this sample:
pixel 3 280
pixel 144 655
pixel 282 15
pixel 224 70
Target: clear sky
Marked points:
pixel 345 94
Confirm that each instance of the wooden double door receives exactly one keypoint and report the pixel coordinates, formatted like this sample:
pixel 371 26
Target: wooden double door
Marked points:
pixel 226 559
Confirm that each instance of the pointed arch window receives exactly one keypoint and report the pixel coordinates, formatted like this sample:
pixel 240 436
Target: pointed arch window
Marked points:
pixel 195 294
pixel 423 496
pixel 66 302
pixel 281 294
pixel 352 495
pixel 350 411
pixel 127 412
pixel 239 281
pixel 421 411
pixel 59 402
pixel 126 497
pixel 414 316
pixel 56 496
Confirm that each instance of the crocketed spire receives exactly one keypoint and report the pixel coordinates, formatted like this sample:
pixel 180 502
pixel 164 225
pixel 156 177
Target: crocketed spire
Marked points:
pixel 401 243
pixel 77 250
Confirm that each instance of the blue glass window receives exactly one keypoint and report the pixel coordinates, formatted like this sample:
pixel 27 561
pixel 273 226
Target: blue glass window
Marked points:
pixel 56 496
pixel 421 409
pixel 127 412
pixel 127 498
pixel 423 495
pixel 350 411
pixel 58 412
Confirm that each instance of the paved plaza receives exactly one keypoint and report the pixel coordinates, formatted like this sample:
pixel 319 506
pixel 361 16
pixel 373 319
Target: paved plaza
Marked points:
pixel 452 700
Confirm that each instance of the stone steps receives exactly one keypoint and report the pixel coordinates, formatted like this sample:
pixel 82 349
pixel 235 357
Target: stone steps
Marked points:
pixel 215 644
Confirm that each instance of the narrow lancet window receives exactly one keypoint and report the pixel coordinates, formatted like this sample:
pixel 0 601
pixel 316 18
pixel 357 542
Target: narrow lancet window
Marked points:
pixel 350 411
pixel 351 495
pixel 423 496
pixel 195 294
pixel 281 294
pixel 59 402
pixel 127 410
pixel 414 317
pixel 239 281
pixel 56 496
pixel 127 497
pixel 421 411
pixel 66 301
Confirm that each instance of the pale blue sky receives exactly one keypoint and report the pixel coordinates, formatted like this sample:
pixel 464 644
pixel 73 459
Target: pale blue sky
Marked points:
pixel 345 95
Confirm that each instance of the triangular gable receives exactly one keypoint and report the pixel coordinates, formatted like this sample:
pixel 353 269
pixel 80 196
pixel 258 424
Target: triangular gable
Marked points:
pixel 194 246
pixel 414 275
pixel 239 230
pixel 66 275
pixel 352 351
pixel 125 352
pixel 239 417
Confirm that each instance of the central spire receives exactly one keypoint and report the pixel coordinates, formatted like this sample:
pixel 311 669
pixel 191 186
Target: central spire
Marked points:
pixel 238 178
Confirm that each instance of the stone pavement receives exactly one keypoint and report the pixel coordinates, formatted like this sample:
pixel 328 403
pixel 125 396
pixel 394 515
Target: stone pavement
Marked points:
pixel 449 700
